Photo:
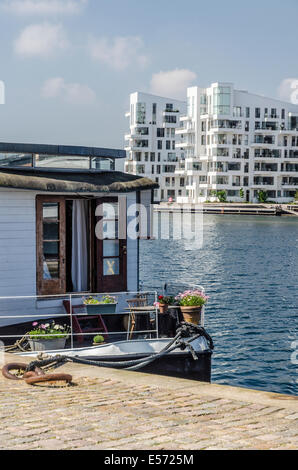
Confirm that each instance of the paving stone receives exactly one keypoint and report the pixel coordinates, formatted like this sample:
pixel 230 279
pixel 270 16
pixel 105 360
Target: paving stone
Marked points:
pixel 109 414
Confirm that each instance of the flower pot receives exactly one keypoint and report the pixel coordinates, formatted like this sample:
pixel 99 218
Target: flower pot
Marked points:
pixel 192 314
pixel 163 308
pixel 46 344
pixel 99 309
pixel 99 344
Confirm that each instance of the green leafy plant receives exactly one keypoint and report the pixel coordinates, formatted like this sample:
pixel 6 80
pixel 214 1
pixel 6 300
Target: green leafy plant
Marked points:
pixel 106 299
pixel 98 339
pixel 49 331
pixel 242 194
pixel 222 196
pixel 262 196
pixel 296 196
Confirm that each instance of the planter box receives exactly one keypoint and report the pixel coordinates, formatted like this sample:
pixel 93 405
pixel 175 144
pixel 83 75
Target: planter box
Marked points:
pixel 100 309
pixel 47 345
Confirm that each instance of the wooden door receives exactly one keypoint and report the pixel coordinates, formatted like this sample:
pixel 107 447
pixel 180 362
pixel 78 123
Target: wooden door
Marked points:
pixel 111 245
pixel 51 253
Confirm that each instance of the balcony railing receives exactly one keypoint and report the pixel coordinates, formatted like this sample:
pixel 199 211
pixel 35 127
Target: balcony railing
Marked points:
pixel 29 306
pixel 271 116
pixel 170 110
pixel 263 183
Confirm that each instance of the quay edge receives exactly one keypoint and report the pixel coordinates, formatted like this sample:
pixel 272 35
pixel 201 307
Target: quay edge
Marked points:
pixel 203 389
pixel 230 209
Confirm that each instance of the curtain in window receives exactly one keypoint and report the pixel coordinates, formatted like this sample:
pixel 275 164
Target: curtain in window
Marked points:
pixel 79 265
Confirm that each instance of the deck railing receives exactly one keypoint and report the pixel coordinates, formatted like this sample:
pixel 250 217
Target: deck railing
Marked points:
pixel 42 308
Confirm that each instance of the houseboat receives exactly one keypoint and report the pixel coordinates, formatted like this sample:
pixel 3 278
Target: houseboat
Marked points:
pixel 70 226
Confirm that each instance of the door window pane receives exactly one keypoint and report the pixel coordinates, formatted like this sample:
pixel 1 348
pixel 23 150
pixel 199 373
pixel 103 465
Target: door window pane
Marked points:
pixel 51 249
pixel 111 267
pixel 51 269
pixel 110 229
pixel 110 210
pixel 110 248
pixel 51 231
pixel 50 211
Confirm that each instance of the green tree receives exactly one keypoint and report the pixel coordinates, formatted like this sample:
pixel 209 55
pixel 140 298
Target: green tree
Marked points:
pixel 222 196
pixel 296 196
pixel 262 196
pixel 242 193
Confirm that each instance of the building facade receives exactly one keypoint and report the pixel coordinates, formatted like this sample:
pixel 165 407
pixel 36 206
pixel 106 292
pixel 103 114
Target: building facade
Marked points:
pixel 239 143
pixel 151 144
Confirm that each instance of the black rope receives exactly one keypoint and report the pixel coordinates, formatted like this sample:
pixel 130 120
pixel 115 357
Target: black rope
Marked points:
pixel 46 362
pixel 127 364
pixel 184 332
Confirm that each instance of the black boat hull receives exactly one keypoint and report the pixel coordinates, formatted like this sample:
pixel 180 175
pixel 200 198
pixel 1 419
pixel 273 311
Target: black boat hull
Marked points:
pixel 181 364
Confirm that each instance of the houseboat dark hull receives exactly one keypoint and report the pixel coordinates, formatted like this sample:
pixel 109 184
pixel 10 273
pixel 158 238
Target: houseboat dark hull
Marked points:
pixel 121 355
pixel 181 365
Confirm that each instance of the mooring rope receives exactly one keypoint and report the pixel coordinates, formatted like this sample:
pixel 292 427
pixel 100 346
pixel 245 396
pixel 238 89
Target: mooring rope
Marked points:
pixel 18 345
pixel 186 334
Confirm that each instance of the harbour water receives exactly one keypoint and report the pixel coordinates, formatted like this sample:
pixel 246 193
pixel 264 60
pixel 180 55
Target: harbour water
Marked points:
pixel 249 268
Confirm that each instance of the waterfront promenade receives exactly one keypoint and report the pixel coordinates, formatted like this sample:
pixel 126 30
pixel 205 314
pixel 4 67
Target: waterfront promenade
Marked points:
pixel 110 409
pixel 230 208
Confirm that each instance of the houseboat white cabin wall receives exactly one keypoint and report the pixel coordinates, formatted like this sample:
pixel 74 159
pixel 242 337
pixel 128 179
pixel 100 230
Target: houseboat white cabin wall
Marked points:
pixel 18 255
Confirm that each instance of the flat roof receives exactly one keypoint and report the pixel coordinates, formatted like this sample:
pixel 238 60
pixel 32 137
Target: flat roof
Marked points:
pixel 63 150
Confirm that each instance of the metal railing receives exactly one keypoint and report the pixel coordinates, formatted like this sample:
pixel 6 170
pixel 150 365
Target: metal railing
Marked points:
pixel 34 303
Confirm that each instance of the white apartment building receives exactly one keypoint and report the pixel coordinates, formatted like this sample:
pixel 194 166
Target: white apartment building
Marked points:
pixel 151 144
pixel 238 142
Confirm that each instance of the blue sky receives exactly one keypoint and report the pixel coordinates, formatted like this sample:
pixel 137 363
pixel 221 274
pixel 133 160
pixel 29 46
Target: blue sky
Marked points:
pixel 69 65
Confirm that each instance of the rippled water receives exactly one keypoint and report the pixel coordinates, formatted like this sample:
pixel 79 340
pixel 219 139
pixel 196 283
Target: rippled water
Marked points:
pixel 249 267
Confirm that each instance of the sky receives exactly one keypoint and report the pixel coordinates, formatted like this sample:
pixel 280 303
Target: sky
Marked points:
pixel 69 65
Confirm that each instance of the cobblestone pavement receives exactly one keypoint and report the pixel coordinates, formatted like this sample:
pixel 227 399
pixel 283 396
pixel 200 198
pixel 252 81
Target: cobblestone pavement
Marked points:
pixel 110 413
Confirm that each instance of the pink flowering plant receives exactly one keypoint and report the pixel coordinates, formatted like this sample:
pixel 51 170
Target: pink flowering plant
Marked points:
pixel 192 298
pixel 49 331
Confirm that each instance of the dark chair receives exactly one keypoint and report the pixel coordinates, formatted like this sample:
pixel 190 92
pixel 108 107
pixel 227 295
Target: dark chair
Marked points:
pixel 80 318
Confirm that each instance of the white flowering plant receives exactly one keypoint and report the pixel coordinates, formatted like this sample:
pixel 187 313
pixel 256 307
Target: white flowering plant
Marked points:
pixel 49 331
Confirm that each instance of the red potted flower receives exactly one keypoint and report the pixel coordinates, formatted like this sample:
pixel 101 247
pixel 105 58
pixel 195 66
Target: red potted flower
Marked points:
pixel 164 303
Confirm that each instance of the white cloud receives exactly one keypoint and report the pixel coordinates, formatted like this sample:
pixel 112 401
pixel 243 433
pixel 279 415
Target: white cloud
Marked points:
pixel 172 83
pixel 288 90
pixel 43 7
pixel 119 53
pixel 41 40
pixel 74 93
